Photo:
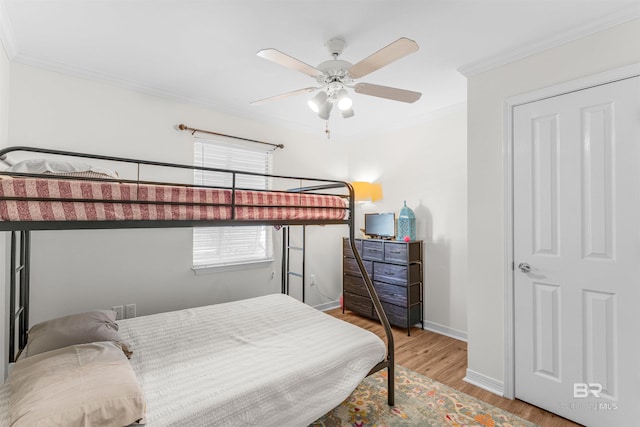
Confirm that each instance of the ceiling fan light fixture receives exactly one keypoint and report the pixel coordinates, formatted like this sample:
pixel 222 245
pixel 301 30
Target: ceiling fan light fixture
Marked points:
pixel 335 76
pixel 344 101
pixel 325 110
pixel 347 113
pixel 317 102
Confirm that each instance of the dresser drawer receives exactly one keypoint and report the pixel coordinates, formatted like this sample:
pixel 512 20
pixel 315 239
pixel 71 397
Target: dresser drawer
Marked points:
pixel 350 266
pixel 396 274
pixel 391 293
pixel 396 252
pixel 373 250
pixel 346 247
pixel 354 285
pixel 358 304
pixel 403 253
pixel 398 315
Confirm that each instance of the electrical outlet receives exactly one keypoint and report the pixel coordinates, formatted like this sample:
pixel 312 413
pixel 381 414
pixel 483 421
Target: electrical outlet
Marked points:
pixel 119 311
pixel 312 279
pixel 130 311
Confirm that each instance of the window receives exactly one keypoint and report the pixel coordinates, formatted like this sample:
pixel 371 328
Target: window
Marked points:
pixel 224 246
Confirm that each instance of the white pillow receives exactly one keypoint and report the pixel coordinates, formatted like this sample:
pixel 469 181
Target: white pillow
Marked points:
pixel 59 167
pixel 81 385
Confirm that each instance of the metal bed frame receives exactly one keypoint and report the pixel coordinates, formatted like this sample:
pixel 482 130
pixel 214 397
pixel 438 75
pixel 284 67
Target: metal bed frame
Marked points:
pixel 21 237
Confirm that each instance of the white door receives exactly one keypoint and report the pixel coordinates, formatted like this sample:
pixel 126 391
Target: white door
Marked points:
pixel 576 226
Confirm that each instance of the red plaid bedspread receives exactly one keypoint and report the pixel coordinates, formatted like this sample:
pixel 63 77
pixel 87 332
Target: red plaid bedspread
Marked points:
pixel 114 201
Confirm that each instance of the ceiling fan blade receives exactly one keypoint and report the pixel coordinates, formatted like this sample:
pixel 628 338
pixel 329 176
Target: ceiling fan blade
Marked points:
pixel 285 60
pixel 284 95
pixel 385 56
pixel 387 92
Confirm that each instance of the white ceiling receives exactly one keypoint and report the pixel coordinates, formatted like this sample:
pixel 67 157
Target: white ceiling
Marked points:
pixel 205 51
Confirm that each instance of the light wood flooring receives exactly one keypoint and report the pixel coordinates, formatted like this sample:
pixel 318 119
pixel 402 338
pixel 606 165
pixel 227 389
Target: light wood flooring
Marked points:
pixel 444 359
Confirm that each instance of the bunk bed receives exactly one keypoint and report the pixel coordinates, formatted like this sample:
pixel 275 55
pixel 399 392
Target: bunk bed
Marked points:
pixel 309 345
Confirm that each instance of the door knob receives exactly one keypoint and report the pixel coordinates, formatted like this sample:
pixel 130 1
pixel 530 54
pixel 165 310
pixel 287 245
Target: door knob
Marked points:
pixel 524 267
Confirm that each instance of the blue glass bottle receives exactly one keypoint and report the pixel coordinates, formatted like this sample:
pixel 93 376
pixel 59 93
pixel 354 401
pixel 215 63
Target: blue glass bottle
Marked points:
pixel 406 224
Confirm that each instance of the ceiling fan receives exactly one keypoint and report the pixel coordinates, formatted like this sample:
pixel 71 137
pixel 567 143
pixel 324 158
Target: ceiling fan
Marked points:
pixel 335 76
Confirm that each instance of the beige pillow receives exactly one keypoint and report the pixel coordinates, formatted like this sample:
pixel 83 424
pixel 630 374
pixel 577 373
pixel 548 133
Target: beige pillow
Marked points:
pixel 92 326
pixel 81 385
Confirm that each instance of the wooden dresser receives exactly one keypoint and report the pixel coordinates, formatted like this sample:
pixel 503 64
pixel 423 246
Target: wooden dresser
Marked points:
pixel 395 268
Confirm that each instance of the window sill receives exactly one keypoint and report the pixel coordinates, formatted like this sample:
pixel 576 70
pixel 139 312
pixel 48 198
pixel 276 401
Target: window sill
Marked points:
pixel 220 268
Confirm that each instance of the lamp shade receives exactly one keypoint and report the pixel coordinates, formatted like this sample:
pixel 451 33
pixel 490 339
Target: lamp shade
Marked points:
pixel 344 102
pixel 367 191
pixel 325 110
pixel 317 101
pixel 347 113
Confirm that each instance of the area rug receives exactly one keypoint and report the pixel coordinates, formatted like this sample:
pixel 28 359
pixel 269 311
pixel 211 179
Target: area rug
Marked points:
pixel 419 401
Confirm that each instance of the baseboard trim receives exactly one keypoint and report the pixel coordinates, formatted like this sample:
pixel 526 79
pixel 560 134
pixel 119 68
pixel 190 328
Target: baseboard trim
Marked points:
pixel 484 382
pixel 445 330
pixel 327 306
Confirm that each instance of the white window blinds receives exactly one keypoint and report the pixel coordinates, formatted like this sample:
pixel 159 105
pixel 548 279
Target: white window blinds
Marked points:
pixel 220 246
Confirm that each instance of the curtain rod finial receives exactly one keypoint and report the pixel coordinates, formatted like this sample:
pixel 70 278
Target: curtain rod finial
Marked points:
pixel 182 126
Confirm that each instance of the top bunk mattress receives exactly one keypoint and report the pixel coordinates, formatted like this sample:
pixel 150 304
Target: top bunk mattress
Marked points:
pixel 52 199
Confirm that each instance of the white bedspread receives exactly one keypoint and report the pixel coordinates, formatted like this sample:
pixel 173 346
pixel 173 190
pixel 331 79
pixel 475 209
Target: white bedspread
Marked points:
pixel 266 361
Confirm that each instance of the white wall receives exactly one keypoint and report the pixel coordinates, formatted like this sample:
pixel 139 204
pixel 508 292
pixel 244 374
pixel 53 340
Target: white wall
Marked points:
pixel 426 166
pixel 5 74
pixel 78 270
pixel 609 49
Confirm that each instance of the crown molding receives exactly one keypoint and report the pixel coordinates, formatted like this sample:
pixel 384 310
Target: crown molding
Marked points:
pixel 620 17
pixel 135 86
pixel 96 76
pixel 6 32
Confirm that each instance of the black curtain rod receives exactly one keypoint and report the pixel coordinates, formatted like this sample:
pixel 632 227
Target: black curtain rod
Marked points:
pixel 193 130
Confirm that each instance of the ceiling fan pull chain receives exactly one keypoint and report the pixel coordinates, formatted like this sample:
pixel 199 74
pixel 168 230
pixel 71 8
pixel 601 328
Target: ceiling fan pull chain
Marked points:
pixel 327 131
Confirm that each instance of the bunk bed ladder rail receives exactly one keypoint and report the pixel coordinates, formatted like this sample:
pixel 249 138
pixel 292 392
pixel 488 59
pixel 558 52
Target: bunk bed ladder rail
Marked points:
pixel 19 291
pixel 390 363
pixel 286 261
pixel 382 316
